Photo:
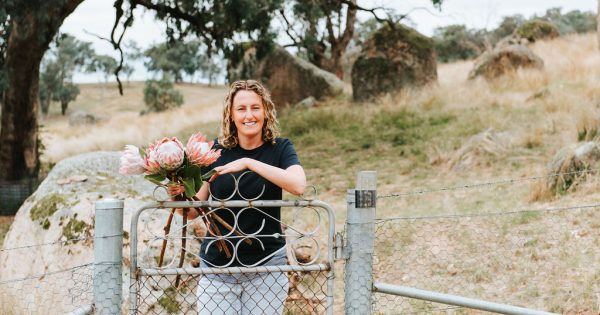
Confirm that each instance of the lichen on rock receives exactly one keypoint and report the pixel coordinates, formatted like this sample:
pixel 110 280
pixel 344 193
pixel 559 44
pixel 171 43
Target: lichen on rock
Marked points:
pixel 45 208
pixel 75 229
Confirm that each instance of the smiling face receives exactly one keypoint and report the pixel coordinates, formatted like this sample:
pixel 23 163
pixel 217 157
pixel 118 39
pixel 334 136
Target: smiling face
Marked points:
pixel 248 114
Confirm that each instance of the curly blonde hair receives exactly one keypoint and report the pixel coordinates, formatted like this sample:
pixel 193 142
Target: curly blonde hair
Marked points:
pixel 228 137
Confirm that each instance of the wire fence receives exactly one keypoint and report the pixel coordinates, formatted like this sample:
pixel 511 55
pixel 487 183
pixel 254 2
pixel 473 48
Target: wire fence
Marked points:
pixel 36 284
pixel 488 240
pixel 299 292
pixel 173 277
pixel 14 193
pixel 52 292
pixel 491 241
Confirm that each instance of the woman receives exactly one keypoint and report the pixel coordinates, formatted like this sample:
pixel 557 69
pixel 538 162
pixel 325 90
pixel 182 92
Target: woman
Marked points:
pixel 249 142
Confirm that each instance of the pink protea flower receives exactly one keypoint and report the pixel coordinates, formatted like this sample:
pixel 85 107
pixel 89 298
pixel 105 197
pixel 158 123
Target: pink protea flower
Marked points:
pixel 131 161
pixel 199 151
pixel 170 153
pixel 151 160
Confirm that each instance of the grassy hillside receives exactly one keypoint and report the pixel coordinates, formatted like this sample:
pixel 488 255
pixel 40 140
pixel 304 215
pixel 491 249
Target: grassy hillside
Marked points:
pixel 120 120
pixel 410 138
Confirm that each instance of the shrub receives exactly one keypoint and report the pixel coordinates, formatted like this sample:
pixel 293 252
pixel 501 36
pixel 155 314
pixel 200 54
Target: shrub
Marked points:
pixel 537 29
pixel 456 42
pixel 161 95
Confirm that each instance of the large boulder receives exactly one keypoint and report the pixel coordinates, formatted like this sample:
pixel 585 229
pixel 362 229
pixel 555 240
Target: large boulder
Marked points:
pixel 478 150
pixel 290 79
pixel 63 208
pixel 505 59
pixel 574 163
pixel 393 59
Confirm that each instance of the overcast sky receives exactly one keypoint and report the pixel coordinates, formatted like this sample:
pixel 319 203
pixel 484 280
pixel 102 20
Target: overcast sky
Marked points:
pixel 97 17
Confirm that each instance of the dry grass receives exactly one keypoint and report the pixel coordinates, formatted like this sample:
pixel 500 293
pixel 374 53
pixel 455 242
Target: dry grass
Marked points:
pixel 122 123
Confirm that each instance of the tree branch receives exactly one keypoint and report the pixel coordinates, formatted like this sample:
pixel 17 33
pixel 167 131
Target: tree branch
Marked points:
pixel 195 20
pixel 117 43
pixel 355 6
pixel 288 30
pixel 330 32
pixel 349 29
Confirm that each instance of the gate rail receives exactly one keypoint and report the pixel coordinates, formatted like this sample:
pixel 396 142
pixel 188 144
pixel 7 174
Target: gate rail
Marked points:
pixel 454 300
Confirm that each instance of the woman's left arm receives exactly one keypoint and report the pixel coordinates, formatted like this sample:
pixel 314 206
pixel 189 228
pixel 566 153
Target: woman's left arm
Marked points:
pixel 292 179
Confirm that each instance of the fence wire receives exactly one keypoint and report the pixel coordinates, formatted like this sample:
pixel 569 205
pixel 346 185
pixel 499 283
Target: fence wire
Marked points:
pixel 40 286
pixel 490 241
pixel 229 290
pixel 298 292
pixel 13 193
pixel 53 292
pixel 549 178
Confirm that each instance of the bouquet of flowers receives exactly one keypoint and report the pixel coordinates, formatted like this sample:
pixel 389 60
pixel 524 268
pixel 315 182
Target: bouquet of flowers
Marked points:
pixel 168 163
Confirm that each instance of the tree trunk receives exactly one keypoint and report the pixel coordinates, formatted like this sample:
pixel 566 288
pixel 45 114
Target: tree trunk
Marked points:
pixel 63 107
pixel 338 45
pixel 33 26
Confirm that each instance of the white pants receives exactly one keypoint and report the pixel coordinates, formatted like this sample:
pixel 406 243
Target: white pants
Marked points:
pixel 256 293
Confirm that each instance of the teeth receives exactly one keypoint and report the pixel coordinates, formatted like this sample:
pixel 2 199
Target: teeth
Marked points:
pixel 250 123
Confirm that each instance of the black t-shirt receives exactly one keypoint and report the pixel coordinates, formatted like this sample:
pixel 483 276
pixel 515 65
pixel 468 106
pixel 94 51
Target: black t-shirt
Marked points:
pixel 250 220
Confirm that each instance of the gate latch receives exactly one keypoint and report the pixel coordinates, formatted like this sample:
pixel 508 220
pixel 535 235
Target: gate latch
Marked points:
pixel 340 251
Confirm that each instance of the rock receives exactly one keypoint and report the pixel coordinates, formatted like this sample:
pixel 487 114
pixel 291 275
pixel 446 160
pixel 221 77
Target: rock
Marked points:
pixel 290 79
pixel 307 102
pixel 537 30
pixel 81 118
pixel 502 60
pixel 487 143
pixel 56 213
pixel 393 59
pixel 573 163
pixel 511 40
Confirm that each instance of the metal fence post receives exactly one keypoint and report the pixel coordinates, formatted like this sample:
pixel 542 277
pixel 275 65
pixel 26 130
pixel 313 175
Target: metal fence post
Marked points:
pixel 108 255
pixel 360 224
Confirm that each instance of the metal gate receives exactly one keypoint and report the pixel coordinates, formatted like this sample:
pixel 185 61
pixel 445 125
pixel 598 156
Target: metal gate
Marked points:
pixel 167 268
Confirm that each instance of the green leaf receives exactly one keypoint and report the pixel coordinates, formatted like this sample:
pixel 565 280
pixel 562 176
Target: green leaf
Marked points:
pixel 208 175
pixel 198 181
pixel 191 171
pixel 156 178
pixel 188 184
pixel 142 152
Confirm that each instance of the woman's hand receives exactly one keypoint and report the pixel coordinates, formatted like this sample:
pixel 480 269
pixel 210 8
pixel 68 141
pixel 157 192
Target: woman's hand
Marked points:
pixel 231 167
pixel 175 189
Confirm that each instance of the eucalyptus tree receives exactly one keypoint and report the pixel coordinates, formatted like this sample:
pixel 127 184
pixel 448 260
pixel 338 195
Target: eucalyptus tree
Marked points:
pixel 66 56
pixel 173 59
pixel 28 27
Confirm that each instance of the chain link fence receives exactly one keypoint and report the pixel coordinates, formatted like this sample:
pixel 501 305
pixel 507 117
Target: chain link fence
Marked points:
pixel 58 291
pixel 489 241
pixel 302 292
pixel 14 193
pixel 170 276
